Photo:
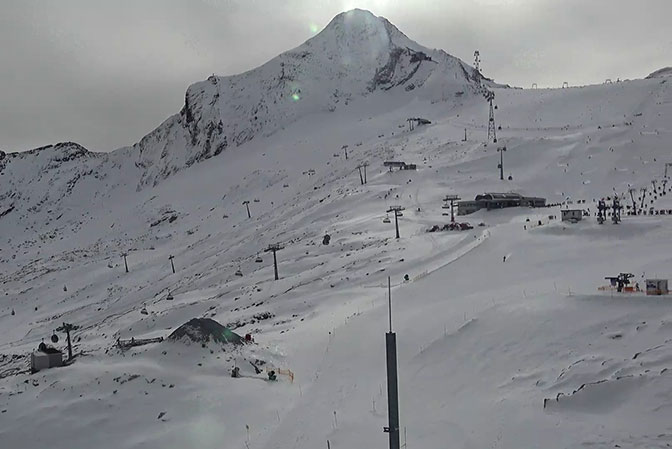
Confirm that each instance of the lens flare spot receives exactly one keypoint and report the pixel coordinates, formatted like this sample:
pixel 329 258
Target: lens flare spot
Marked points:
pixel 296 97
pixel 313 28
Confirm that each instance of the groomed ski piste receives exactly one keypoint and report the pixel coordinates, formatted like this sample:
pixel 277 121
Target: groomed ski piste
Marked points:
pixel 504 340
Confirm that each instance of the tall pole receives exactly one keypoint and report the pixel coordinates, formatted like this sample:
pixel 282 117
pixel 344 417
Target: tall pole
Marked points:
pixel 396 210
pixel 274 247
pixel 452 199
pixel 67 332
pixel 492 131
pixel 67 327
pixel 396 222
pixel 365 165
pixel 247 206
pixel 125 261
pixel 389 300
pixel 634 204
pixel 172 265
pixel 501 162
pixel 392 381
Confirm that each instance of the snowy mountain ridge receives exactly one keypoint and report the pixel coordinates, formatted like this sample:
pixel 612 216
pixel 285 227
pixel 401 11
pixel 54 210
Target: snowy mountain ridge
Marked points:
pixel 355 56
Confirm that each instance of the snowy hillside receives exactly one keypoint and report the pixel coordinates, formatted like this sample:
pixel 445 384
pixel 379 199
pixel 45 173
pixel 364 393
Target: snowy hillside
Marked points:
pixel 666 71
pixel 504 338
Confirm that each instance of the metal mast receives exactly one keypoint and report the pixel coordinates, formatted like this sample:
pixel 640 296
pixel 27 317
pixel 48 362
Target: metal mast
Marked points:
pixel 634 204
pixel 396 210
pixel 125 255
pixel 392 381
pixel 451 199
pixel 274 247
pixel 501 162
pixel 492 130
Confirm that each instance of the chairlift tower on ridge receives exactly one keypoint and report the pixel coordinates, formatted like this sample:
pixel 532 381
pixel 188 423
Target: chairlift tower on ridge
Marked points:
pixel 274 247
pixel 363 165
pixel 397 212
pixel 246 203
pixel 125 255
pixel 492 130
pixel 451 199
pixel 477 67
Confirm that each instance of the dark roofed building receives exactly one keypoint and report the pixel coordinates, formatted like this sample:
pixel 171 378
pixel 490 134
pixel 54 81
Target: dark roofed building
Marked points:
pixel 492 200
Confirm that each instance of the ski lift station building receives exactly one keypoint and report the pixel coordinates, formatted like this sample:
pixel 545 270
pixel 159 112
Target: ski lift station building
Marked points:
pixel 45 357
pixel 572 215
pixel 656 287
pixel 491 201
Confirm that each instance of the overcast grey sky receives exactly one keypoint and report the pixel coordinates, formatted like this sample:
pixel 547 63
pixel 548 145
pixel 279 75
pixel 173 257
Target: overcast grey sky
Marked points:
pixel 105 73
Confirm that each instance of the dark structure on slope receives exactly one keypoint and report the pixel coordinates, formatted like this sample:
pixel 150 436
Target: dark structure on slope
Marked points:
pixel 204 330
pixel 491 201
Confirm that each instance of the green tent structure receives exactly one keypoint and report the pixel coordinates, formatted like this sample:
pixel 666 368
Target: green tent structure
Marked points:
pixel 204 330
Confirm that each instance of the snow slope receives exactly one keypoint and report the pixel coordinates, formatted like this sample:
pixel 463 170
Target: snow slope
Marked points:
pixel 661 73
pixel 522 353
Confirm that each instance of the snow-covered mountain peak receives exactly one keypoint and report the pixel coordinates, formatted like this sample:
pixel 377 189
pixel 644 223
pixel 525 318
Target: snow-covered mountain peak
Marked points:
pixel 358 58
pixel 359 36
pixel 355 55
